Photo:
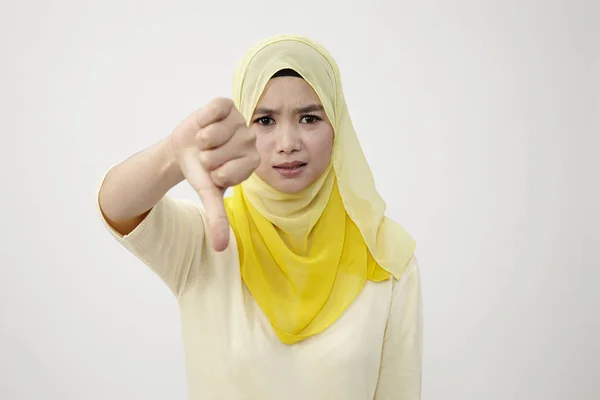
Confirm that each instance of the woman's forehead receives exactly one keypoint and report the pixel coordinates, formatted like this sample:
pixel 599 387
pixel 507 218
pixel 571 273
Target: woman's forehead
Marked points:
pixel 289 90
pixel 255 74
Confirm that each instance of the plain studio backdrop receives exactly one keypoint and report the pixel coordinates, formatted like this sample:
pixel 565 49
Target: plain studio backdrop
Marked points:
pixel 480 120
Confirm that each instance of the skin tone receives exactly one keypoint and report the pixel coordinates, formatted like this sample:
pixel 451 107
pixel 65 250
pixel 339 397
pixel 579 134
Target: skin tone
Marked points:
pixel 294 138
pixel 288 143
pixel 215 150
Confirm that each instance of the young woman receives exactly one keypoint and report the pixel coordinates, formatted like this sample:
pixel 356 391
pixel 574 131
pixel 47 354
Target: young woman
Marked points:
pixel 297 286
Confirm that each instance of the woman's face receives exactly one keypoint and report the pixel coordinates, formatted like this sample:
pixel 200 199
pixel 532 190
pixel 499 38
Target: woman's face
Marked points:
pixel 294 138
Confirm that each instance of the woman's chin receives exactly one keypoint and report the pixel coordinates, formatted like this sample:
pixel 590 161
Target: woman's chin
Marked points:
pixel 283 183
pixel 287 185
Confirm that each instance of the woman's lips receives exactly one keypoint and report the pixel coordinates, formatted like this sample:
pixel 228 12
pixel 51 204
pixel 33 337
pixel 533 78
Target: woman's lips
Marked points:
pixel 291 169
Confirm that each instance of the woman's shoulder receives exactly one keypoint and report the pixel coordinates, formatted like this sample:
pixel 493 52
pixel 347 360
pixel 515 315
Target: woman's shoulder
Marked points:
pixel 411 272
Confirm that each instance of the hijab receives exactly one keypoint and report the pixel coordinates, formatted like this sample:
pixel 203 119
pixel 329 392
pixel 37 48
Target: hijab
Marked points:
pixel 306 256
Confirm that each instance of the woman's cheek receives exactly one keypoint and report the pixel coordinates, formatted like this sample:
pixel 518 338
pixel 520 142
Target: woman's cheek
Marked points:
pixel 321 144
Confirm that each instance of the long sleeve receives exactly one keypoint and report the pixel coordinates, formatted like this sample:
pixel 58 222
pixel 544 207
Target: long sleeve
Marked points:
pixel 170 240
pixel 401 362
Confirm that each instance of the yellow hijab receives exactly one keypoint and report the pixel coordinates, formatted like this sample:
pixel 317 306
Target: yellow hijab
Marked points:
pixel 306 256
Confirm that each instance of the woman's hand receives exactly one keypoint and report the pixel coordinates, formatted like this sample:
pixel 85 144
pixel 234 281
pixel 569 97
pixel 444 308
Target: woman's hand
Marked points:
pixel 215 150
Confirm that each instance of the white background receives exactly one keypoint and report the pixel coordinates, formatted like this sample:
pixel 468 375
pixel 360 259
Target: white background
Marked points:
pixel 480 120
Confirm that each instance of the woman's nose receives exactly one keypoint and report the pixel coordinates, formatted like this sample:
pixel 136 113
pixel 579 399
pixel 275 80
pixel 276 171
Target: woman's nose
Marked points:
pixel 289 139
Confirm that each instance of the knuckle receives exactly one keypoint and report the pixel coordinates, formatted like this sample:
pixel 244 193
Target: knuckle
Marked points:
pixel 207 136
pixel 214 110
pixel 203 139
pixel 220 178
pixel 223 100
pixel 223 103
pixel 204 160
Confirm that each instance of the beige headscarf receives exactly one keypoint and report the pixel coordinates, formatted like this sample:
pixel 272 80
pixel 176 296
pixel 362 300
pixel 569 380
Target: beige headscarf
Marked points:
pixel 391 246
pixel 303 292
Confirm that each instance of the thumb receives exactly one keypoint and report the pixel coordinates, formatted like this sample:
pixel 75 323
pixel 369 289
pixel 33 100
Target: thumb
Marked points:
pixel 211 197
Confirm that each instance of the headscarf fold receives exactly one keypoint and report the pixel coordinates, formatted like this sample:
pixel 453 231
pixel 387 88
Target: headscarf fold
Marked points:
pixel 306 256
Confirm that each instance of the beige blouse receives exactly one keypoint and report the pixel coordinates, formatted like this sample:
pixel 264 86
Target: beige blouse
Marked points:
pixel 373 351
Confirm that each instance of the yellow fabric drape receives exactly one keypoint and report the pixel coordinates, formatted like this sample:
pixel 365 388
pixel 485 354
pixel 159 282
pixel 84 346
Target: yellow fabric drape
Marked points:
pixel 306 256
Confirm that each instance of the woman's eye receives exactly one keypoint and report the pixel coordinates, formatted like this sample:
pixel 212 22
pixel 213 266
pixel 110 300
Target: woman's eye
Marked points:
pixel 309 119
pixel 265 121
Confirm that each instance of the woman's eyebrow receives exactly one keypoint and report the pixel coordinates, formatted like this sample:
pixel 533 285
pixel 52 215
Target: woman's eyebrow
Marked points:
pixel 265 110
pixel 298 110
pixel 309 108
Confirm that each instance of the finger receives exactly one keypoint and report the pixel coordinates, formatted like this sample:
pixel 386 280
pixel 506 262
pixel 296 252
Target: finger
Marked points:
pixel 213 136
pixel 238 146
pixel 218 133
pixel 211 197
pixel 218 224
pixel 185 133
pixel 216 110
pixel 235 171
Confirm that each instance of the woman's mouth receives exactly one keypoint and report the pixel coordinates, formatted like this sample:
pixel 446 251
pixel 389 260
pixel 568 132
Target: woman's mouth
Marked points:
pixel 290 169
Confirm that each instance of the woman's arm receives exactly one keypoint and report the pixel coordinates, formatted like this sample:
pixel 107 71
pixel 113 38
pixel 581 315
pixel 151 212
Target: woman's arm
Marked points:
pixel 131 188
pixel 401 362
pixel 166 234
pixel 212 149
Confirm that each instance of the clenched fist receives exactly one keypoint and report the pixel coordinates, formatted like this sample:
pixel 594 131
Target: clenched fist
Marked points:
pixel 215 150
